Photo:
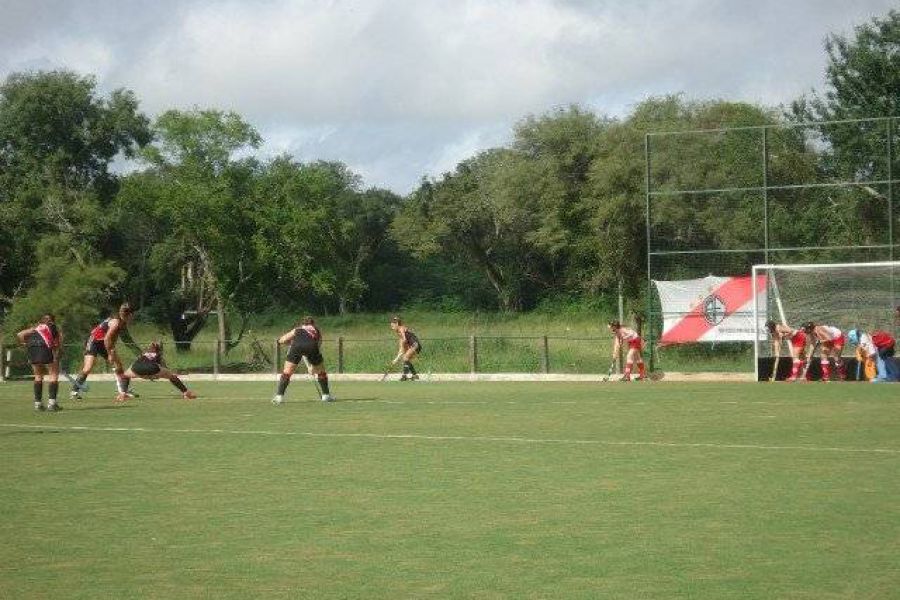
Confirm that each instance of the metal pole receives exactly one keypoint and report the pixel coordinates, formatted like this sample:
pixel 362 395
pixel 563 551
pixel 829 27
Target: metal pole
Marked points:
pixel 621 322
pixel 649 338
pixel 2 362
pixel 340 360
pixel 890 208
pixel 276 357
pixel 765 191
pixel 216 357
pixel 473 354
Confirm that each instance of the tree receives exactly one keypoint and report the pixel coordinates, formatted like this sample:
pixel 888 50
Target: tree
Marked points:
pixel 71 283
pixel 198 192
pixel 57 140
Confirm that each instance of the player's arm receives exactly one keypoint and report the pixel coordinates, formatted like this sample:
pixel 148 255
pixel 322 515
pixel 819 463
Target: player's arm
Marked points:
pixel 288 337
pixel 616 345
pixel 128 340
pixel 22 336
pixel 59 346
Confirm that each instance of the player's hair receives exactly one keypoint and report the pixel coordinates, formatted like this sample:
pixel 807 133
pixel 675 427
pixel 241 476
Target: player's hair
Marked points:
pixel 125 309
pixel 809 326
pixel 154 346
pixel 48 318
pixel 307 320
pixel 615 324
pixel 396 319
pixel 770 325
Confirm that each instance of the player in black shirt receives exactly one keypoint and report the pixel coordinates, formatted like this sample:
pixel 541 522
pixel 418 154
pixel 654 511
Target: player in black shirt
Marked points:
pixel 409 350
pixel 150 365
pixel 304 340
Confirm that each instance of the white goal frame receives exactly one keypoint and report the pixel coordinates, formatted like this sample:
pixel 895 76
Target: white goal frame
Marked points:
pixel 760 335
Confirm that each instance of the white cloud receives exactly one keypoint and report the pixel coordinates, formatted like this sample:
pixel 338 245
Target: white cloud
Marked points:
pixel 402 88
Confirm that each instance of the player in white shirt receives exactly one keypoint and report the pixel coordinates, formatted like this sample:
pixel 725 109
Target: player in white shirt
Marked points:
pixel 831 345
pixel 623 335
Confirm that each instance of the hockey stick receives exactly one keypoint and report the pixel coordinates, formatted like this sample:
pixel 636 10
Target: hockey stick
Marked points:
pixel 609 371
pixel 809 359
pixel 387 370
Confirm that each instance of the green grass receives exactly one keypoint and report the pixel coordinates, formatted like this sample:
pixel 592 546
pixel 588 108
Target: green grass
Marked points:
pixel 438 490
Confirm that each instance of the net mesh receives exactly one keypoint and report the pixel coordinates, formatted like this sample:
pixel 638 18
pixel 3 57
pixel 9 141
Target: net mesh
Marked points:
pixel 862 296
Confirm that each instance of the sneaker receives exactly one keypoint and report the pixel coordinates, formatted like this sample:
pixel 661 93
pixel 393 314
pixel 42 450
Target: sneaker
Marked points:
pixel 130 394
pixel 625 378
pixel 75 395
pixel 327 398
pixel 53 407
pixel 121 397
pixel 39 406
pixel 189 395
pixel 404 378
pixel 415 377
pixel 278 400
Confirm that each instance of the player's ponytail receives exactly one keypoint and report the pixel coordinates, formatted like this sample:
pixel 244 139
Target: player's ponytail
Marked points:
pixel 770 325
pixel 125 310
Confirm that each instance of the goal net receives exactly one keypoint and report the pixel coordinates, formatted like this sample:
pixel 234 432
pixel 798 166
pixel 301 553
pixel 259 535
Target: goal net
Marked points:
pixel 850 295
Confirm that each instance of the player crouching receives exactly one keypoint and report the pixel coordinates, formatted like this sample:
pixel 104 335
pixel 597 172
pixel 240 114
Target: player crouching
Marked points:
pixel 796 343
pixel 150 365
pixel 877 347
pixel 830 340
pixel 623 335
pixel 305 341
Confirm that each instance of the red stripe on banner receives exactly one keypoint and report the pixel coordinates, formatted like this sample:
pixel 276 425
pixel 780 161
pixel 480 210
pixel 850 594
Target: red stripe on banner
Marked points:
pixel 734 293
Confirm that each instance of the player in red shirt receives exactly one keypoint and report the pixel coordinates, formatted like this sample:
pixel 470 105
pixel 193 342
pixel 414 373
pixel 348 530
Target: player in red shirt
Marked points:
pixel 43 342
pixel 305 341
pixel 623 335
pixel 796 343
pixel 831 345
pixel 102 342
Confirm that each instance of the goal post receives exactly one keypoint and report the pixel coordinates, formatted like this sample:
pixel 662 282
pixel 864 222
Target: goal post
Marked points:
pixel 846 295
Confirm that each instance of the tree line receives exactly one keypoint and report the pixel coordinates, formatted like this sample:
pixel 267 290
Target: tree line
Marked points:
pixel 204 225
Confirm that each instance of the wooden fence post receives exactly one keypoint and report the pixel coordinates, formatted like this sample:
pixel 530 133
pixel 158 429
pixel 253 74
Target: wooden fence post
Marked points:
pixel 340 360
pixel 473 354
pixel 545 355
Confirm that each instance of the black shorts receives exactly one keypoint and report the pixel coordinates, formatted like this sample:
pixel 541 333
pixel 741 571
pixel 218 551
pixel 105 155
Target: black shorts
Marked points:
pixel 145 368
pixel 39 354
pixel 96 348
pixel 307 348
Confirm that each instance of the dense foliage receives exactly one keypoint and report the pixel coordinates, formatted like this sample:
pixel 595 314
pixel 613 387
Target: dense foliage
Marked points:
pixel 203 226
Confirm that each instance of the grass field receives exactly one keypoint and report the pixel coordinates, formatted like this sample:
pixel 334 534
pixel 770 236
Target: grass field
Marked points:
pixel 491 490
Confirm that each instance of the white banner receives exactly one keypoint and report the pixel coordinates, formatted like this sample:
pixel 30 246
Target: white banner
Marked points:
pixel 712 309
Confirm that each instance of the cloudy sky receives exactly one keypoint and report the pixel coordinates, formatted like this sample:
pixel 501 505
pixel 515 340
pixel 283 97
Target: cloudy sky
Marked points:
pixel 398 89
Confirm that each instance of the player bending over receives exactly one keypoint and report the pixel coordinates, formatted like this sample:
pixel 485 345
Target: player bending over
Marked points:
pixel 150 365
pixel 831 344
pixel 305 341
pixel 795 339
pixel 102 342
pixel 623 335
pixel 409 350
pixel 43 342
pixel 879 348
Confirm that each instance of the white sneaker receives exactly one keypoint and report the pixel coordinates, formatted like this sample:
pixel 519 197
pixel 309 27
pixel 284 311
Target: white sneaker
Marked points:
pixel 75 395
pixel 278 400
pixel 327 398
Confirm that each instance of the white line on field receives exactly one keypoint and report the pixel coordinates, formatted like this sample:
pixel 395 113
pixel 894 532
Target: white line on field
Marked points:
pixel 457 438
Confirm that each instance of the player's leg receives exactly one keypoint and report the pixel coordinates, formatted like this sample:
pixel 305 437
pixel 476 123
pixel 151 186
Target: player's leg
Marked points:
pixel 176 381
pixel 38 371
pixel 316 368
pixel 53 386
pixel 90 357
pixel 286 373
pixel 837 353
pixel 825 360
pixel 796 362
pixel 629 365
pixel 408 357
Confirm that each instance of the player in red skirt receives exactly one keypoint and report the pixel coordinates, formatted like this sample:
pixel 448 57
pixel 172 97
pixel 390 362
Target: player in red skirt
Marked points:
pixel 623 335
